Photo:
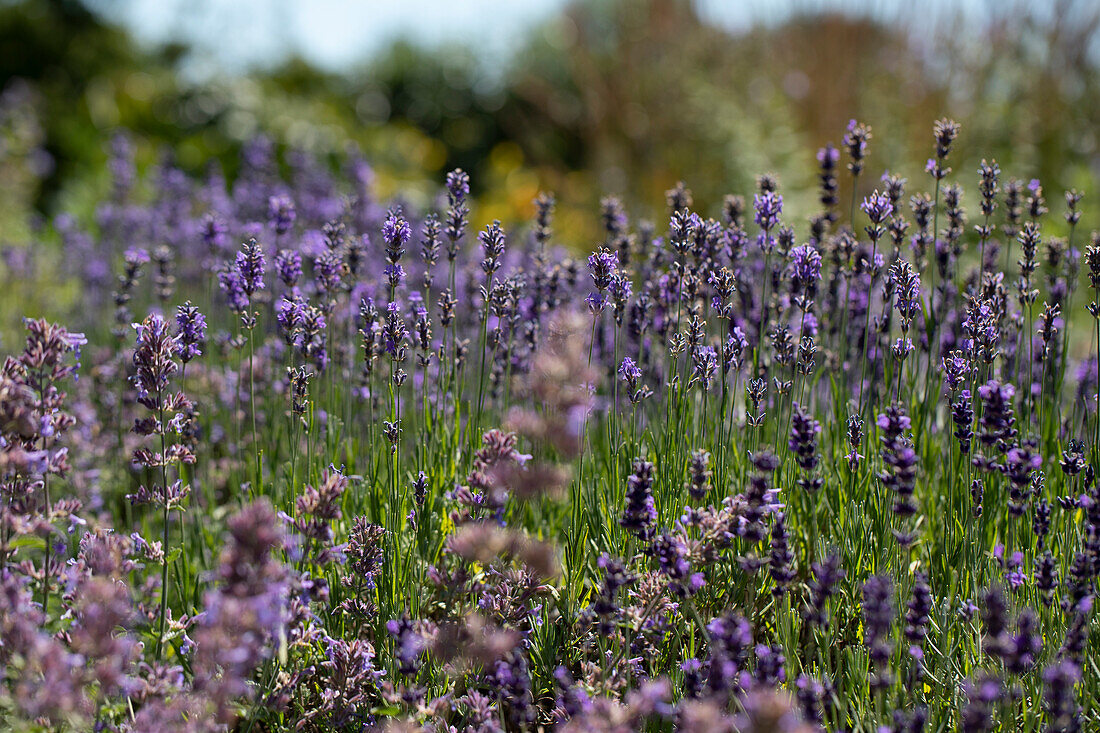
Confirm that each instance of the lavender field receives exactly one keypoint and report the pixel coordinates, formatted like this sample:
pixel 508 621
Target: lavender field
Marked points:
pixel 285 446
pixel 371 467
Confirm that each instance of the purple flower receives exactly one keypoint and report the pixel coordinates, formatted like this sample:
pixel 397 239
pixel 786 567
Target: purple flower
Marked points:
pixel 396 233
pixel 956 367
pixel 805 269
pixel 780 559
pixel 998 421
pixel 213 234
pixel 901 460
pixel 827 574
pixel 288 267
pixel 907 282
pixel 1012 566
pixel 704 366
pixel 917 616
pixel 878 617
pixel 878 207
pixel 673 560
pixel 458 185
pixel 153 360
pixel 492 245
pixel 767 208
pixel 856 141
pixel 250 267
pixel 1060 679
pixel 190 332
pixel 630 372
pixel 962 414
pixel 602 265
pixel 699 475
pixel 281 213
pixel 640 513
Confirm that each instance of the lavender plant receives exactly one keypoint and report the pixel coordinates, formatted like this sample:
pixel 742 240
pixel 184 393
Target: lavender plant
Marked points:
pixel 721 470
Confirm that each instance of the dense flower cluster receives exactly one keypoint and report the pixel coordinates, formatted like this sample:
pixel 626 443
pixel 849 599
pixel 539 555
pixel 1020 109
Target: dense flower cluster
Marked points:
pixel 720 470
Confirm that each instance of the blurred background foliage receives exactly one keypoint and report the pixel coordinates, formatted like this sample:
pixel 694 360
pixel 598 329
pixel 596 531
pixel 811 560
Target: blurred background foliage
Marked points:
pixel 619 96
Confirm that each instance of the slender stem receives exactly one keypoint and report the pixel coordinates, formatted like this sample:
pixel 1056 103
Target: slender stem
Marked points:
pixel 167 527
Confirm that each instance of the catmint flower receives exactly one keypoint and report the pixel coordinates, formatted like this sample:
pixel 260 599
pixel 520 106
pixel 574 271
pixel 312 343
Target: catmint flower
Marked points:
pixel 408 644
pixel 893 188
pixel 945 132
pixel 962 414
pixel 855 439
pixel 631 373
pixel 1060 680
pixel 679 197
pixel 640 513
pixel 212 232
pixel 907 283
pixel 956 368
pixel 766 210
pixel 154 362
pixel 672 555
pixel 900 459
pixel 699 473
pixel 1046 576
pixel 803 443
pixel 396 233
pixel 1019 464
pixel 704 366
pixel 492 245
pixel 190 332
pixel 917 616
pixel 827 574
pixel 1036 204
pixel 805 270
pixel 458 211
pixel 232 286
pixel 878 209
pixel 288 267
pixel 989 176
pixel 827 159
pixel 602 265
pixel 856 141
pixel 878 617
pixel 998 423
pixel 250 267
pixel 281 213
pixel 606 605
pixel 781 561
